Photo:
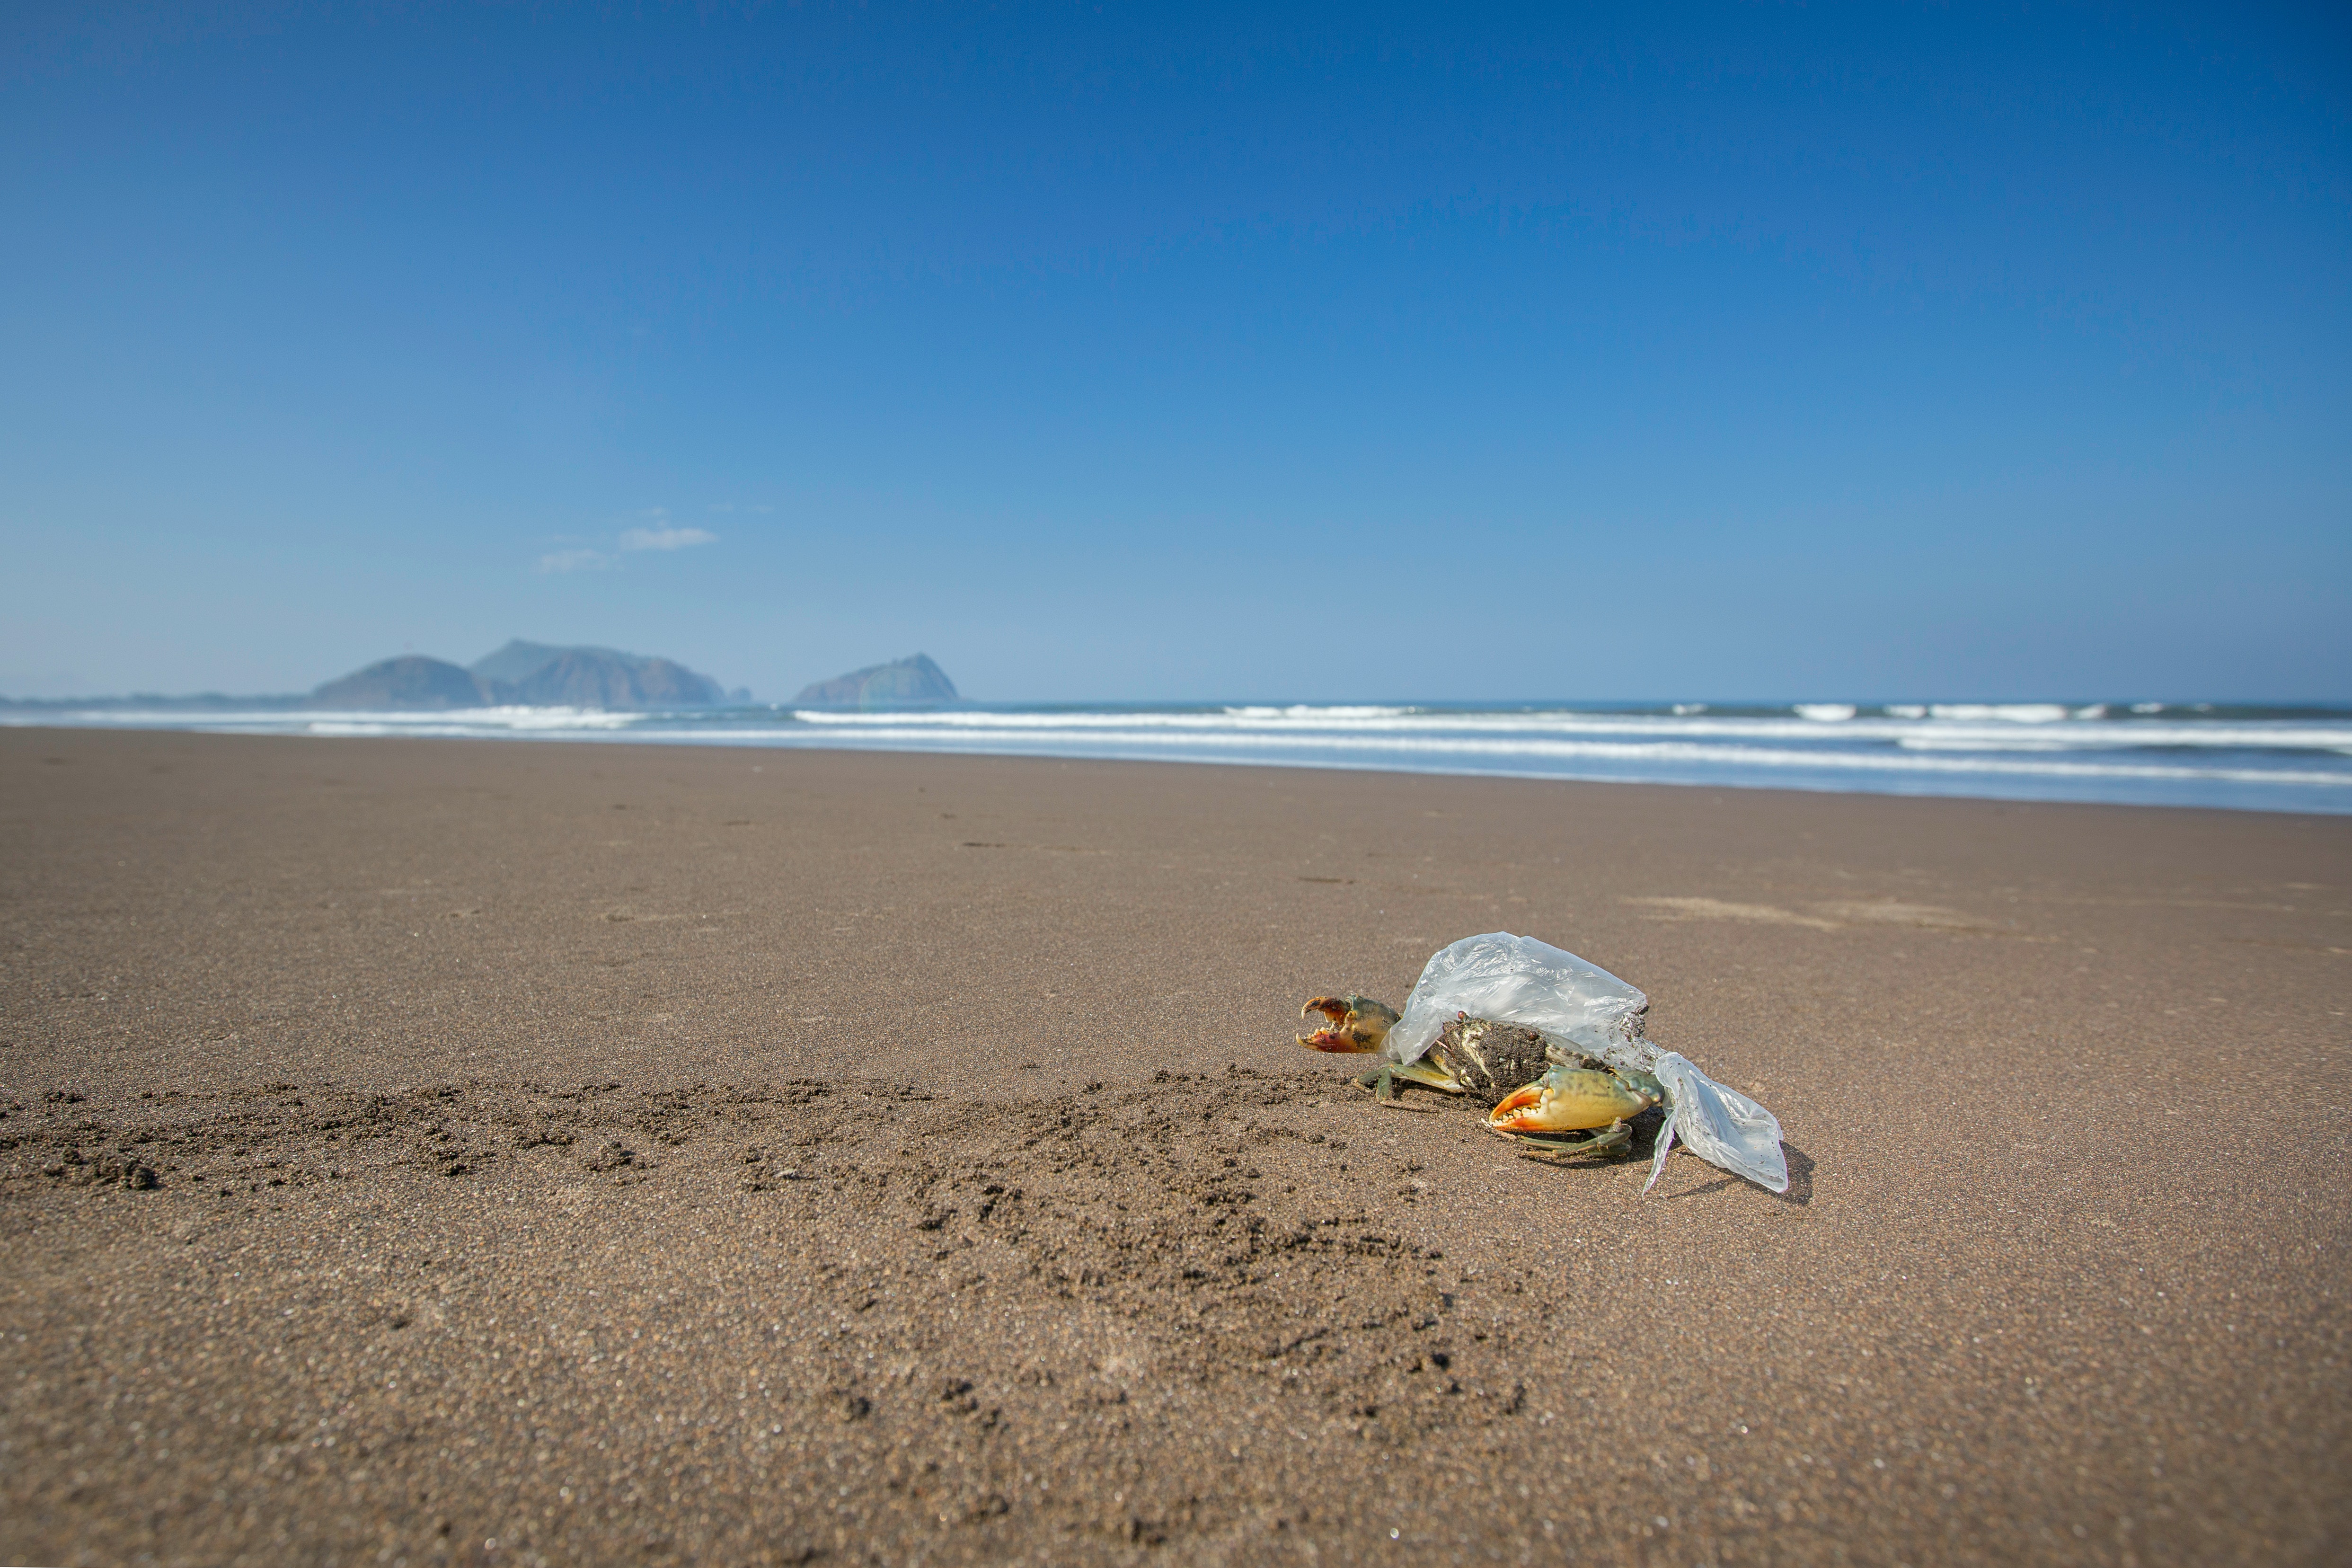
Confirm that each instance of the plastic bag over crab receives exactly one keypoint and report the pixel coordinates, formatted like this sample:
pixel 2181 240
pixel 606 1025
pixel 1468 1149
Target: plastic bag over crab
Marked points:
pixel 1580 1011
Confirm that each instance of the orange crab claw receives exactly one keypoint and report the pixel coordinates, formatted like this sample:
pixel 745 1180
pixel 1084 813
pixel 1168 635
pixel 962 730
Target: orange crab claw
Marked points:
pixel 1518 1111
pixel 1357 1024
pixel 1571 1099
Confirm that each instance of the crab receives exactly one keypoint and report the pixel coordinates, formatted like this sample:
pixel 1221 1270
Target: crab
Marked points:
pixel 1556 1103
pixel 1350 1024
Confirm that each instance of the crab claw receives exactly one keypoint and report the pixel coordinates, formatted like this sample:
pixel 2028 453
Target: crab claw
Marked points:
pixel 1571 1099
pixel 1355 1023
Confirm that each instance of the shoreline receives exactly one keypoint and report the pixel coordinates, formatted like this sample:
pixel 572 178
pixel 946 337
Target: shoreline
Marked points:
pixel 2250 763
pixel 703 1152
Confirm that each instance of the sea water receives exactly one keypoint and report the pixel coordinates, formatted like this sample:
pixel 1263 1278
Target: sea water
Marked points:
pixel 2142 753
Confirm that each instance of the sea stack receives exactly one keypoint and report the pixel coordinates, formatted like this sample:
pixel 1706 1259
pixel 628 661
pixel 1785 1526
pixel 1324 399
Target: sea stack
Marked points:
pixel 911 682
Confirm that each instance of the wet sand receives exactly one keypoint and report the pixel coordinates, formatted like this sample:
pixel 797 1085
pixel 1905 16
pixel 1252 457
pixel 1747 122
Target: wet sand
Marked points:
pixel 487 1152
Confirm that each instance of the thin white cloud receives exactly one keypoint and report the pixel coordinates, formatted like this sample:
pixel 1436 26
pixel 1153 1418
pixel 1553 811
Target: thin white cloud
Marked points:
pixel 665 536
pixel 658 532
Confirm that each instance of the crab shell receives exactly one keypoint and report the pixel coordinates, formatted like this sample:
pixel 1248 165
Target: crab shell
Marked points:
pixel 1487 1058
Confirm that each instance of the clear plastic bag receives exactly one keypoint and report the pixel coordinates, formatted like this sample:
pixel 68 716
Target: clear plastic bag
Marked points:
pixel 1586 1009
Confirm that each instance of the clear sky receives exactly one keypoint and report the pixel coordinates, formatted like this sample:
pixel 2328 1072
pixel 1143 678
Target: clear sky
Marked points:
pixel 1163 352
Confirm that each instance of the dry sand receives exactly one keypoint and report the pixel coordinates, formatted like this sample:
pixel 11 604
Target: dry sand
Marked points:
pixel 594 1153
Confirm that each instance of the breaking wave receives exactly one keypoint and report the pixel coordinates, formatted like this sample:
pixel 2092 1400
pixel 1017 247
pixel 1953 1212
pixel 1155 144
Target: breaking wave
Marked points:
pixel 2129 752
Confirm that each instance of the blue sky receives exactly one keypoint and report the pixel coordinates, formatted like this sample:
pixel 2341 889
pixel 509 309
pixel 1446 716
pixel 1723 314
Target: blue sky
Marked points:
pixel 1133 352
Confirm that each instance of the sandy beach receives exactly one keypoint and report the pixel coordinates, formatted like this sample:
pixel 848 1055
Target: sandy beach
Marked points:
pixel 423 1151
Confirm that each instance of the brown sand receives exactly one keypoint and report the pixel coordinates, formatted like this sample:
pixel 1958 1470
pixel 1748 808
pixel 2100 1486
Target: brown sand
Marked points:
pixel 589 1153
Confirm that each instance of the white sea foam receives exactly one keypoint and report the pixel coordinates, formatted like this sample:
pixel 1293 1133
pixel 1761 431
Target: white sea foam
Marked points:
pixel 2017 750
pixel 1997 743
pixel 1154 741
pixel 2008 712
pixel 468 720
pixel 1310 711
pixel 314 720
pixel 1302 725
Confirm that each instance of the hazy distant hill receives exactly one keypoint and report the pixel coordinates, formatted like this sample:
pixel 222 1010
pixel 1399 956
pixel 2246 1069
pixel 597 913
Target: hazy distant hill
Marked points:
pixel 411 681
pixel 545 676
pixel 536 674
pixel 902 683
pixel 528 673
pixel 519 659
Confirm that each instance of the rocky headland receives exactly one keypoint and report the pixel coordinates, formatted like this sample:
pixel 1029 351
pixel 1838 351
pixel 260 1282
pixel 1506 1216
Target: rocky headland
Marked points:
pixel 911 682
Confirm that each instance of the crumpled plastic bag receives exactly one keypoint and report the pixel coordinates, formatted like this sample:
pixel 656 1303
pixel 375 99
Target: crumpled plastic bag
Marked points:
pixel 1585 1009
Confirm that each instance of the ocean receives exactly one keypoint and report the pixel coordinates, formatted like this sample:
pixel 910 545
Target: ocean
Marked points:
pixel 2134 753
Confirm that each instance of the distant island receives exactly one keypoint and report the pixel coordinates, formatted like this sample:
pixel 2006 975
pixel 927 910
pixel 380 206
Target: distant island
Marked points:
pixel 521 674
pixel 530 674
pixel 913 682
pixel 538 675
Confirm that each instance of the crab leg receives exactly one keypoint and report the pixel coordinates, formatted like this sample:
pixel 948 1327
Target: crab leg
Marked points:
pixel 1383 1080
pixel 1614 1141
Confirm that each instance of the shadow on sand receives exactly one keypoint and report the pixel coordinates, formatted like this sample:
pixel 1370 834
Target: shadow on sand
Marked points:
pixel 1800 1181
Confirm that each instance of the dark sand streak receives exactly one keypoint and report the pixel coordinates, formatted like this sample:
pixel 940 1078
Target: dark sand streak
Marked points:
pixel 692 1155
